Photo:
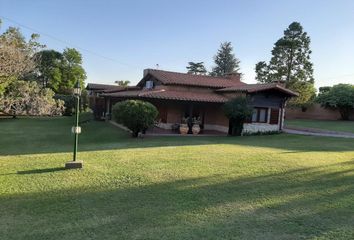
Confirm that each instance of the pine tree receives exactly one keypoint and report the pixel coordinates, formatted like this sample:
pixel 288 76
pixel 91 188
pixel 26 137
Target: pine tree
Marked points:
pixel 225 61
pixel 196 68
pixel 291 63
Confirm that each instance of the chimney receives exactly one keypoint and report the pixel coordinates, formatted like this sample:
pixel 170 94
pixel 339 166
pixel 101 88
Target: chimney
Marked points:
pixel 146 72
pixel 233 76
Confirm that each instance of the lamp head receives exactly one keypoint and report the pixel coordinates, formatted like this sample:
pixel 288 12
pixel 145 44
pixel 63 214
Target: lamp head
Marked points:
pixel 77 89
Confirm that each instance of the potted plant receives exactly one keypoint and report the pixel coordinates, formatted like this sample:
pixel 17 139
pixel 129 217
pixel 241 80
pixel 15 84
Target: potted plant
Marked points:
pixel 196 125
pixel 183 127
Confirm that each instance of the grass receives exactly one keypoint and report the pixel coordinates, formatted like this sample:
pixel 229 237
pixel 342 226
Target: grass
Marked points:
pixel 339 126
pixel 257 187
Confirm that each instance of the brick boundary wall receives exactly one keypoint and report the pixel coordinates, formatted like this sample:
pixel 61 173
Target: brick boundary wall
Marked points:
pixel 315 112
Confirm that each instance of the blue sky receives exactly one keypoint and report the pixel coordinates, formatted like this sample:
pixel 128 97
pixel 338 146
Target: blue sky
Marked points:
pixel 118 39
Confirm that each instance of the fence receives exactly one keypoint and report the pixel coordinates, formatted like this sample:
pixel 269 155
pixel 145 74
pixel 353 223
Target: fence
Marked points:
pixel 315 112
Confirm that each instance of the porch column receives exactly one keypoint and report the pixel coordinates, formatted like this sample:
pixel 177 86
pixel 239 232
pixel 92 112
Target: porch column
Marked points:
pixel 107 108
pixel 190 120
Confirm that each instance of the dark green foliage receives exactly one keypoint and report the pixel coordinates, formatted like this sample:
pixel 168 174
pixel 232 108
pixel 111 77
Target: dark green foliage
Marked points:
pixel 339 96
pixel 69 103
pixel 135 115
pixel 196 68
pixel 291 63
pixel 71 71
pixel 84 101
pixel 122 83
pixel 49 68
pixel 262 71
pixel 225 61
pixel 60 71
pixel 237 110
pixel 324 89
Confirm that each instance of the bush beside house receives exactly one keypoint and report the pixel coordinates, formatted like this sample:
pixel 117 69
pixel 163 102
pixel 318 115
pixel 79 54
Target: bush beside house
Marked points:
pixel 136 115
pixel 237 111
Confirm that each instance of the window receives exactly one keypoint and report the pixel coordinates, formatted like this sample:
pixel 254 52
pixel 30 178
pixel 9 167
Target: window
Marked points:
pixel 260 115
pixel 149 84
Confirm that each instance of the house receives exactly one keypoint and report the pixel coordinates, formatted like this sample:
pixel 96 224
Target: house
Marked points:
pixel 177 95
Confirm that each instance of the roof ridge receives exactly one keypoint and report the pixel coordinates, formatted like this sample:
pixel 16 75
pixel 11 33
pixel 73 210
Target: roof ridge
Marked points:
pixel 189 74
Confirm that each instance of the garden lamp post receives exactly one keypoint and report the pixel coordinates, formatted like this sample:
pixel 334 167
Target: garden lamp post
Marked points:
pixel 76 130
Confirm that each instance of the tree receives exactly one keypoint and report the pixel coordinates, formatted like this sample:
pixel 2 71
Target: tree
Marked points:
pixel 291 63
pixel 136 115
pixel 17 56
pixel 237 110
pixel 340 97
pixel 27 98
pixel 60 71
pixel 71 71
pixel 49 68
pixel 225 61
pixel 324 89
pixel 122 83
pixel 196 68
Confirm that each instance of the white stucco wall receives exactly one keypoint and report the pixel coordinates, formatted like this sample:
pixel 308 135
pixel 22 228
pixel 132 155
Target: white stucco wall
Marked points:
pixel 259 127
pixel 247 127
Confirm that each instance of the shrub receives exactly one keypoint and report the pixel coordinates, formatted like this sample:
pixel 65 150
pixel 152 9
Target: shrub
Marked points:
pixel 237 111
pixel 27 98
pixel 69 103
pixel 135 115
pixel 340 96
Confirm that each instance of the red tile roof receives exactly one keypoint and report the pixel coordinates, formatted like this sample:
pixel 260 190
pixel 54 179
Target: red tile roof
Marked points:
pixel 170 95
pixel 97 86
pixel 121 88
pixel 251 88
pixel 176 78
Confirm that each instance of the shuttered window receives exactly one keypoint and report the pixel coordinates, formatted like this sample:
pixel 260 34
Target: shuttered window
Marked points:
pixel 274 116
pixel 162 114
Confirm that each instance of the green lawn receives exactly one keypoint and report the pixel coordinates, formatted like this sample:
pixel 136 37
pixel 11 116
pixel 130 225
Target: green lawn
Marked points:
pixel 256 187
pixel 341 126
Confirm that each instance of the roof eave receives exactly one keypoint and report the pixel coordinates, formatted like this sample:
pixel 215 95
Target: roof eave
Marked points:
pixel 283 90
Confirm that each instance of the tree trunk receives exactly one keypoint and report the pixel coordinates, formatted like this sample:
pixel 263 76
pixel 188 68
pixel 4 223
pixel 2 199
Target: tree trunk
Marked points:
pixel 135 134
pixel 290 63
pixel 236 127
pixel 344 113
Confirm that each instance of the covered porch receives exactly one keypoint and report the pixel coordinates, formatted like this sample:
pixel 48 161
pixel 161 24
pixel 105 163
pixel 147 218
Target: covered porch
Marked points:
pixel 172 113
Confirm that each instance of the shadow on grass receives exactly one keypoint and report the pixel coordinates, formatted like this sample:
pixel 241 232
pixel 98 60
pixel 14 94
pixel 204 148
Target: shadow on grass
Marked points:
pixel 38 171
pixel 46 135
pixel 299 204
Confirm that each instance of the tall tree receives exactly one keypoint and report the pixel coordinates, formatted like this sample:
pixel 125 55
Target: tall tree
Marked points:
pixel 225 61
pixel 17 56
pixel 48 69
pixel 197 68
pixel 291 63
pixel 71 70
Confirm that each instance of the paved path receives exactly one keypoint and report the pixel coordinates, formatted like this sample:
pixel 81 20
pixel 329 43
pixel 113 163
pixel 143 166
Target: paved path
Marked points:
pixel 317 132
